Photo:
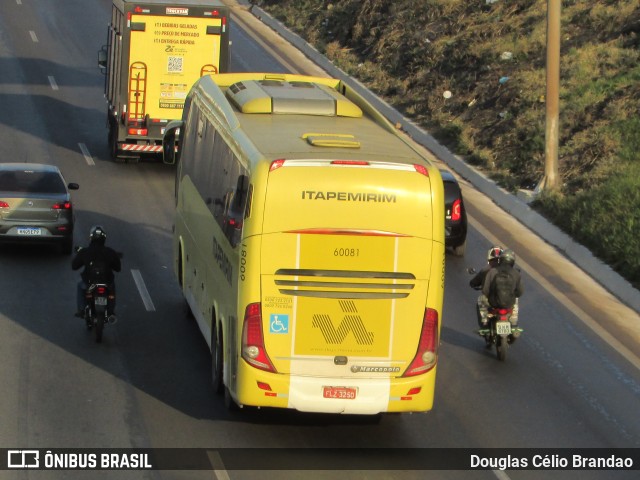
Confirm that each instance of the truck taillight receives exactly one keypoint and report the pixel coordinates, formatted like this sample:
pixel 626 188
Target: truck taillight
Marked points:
pixel 427 355
pixel 253 348
pixel 138 131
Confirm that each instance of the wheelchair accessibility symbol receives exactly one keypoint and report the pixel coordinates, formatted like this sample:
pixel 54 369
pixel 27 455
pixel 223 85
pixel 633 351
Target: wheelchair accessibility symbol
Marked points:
pixel 278 323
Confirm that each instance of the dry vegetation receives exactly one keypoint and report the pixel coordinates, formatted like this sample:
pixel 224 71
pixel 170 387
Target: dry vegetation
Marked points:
pixel 490 54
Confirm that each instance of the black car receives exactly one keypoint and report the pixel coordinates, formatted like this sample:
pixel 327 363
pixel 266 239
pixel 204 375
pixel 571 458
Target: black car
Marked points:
pixel 455 215
pixel 35 205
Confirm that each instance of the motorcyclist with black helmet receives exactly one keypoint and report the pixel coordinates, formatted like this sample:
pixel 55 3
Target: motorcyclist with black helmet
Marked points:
pixel 482 305
pixel 100 261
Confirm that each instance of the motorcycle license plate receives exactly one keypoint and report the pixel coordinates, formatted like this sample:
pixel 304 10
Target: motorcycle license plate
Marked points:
pixel 343 393
pixel 101 300
pixel 503 328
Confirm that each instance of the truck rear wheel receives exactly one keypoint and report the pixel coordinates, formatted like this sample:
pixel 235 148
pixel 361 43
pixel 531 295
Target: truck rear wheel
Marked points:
pixel 113 142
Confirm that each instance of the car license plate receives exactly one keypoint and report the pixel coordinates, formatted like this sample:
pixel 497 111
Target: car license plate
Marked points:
pixel 29 231
pixel 344 393
pixel 503 328
pixel 101 300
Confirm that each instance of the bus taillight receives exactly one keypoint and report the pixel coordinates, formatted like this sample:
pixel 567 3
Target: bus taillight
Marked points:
pixel 421 169
pixel 427 354
pixel 276 164
pixel 253 348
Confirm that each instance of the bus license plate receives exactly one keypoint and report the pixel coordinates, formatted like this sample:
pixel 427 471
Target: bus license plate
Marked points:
pixel 101 300
pixel 29 231
pixel 503 328
pixel 343 393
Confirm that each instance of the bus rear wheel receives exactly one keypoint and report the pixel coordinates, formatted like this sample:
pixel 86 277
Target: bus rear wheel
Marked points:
pixel 229 402
pixel 217 359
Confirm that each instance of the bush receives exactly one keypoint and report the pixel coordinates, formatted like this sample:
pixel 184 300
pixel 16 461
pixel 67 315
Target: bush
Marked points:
pixel 605 219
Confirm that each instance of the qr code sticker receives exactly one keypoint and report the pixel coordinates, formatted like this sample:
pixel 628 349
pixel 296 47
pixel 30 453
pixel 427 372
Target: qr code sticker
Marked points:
pixel 174 64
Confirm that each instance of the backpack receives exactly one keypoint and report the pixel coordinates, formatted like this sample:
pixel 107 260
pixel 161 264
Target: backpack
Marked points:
pixel 502 289
pixel 97 272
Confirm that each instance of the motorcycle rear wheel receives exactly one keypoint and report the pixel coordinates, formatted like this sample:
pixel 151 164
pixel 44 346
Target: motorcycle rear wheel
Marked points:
pixel 100 321
pixel 502 345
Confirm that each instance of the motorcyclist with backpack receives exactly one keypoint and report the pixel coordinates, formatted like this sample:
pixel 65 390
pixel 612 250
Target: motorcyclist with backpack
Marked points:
pixel 99 262
pixel 503 286
pixel 482 305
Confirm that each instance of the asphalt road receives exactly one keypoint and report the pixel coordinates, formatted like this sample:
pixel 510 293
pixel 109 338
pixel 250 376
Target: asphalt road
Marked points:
pixel 572 381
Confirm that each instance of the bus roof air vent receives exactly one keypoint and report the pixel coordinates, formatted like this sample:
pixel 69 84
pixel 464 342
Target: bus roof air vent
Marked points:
pixel 331 140
pixel 292 98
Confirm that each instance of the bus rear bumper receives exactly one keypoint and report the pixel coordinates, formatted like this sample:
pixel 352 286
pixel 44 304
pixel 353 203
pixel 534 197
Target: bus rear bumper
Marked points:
pixel 361 396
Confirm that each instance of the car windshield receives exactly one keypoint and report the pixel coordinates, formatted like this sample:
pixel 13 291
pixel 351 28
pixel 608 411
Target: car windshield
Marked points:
pixel 29 181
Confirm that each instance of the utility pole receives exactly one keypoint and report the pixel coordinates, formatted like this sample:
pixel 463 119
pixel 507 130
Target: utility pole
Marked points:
pixel 552 99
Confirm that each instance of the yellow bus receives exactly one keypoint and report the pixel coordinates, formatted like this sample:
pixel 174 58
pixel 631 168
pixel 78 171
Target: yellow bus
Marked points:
pixel 309 245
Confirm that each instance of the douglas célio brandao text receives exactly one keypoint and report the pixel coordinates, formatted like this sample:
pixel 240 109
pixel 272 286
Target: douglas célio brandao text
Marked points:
pixel 574 461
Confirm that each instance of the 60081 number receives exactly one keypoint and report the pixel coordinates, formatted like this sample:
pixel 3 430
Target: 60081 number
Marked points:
pixel 346 252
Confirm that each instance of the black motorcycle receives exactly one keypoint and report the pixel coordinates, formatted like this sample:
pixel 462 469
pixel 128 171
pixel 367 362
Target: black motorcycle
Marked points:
pixel 499 330
pixel 100 300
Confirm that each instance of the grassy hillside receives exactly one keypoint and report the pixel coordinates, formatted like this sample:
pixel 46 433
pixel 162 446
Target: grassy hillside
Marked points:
pixel 490 56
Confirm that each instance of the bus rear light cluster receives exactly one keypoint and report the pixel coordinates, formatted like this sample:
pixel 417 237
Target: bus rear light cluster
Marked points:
pixel 427 355
pixel 253 348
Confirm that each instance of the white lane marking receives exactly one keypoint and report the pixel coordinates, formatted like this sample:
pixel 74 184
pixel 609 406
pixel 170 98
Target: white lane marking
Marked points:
pixel 576 310
pixel 19 2
pixel 85 153
pixel 219 470
pixel 34 37
pixel 53 83
pixel 501 475
pixel 142 289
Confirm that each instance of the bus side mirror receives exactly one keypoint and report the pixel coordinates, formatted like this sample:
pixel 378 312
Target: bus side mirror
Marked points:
pixel 240 196
pixel 102 59
pixel 171 155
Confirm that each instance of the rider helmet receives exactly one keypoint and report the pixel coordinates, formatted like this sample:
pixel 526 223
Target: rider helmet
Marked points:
pixel 97 235
pixel 494 253
pixel 508 257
